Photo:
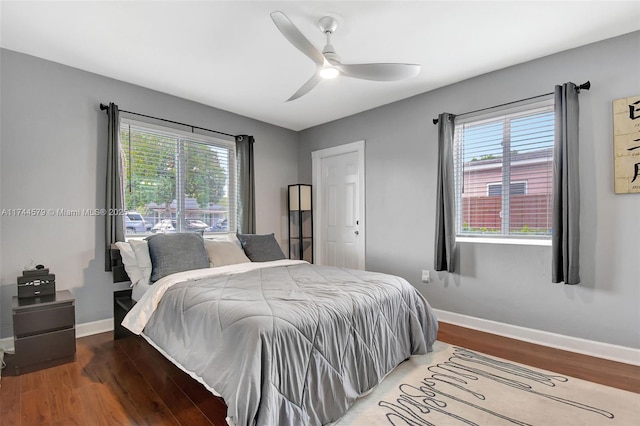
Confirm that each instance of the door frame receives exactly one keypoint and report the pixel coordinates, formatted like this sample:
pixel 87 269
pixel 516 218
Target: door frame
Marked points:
pixel 316 172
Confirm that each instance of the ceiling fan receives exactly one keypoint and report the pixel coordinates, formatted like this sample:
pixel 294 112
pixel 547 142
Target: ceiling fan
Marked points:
pixel 328 63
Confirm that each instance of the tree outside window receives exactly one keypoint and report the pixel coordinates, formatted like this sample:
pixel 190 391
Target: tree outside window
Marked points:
pixel 177 181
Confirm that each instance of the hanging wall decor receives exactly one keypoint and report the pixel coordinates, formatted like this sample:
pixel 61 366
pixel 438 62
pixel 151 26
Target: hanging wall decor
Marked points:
pixel 626 144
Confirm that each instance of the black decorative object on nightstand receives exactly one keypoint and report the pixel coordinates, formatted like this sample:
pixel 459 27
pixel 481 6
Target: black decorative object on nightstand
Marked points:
pixel 36 282
pixel 44 330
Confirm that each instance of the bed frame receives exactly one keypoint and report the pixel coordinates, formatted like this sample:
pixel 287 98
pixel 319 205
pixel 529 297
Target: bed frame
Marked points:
pixel 122 301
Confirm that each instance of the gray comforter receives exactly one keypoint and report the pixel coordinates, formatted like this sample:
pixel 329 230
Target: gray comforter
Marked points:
pixel 291 345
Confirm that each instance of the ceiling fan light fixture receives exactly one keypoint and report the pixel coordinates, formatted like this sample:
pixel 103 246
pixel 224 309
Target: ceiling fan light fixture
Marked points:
pixel 328 63
pixel 329 72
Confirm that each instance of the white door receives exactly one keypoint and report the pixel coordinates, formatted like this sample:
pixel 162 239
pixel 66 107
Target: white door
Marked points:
pixel 338 179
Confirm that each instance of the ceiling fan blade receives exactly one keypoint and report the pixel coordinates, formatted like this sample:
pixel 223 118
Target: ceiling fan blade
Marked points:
pixel 306 88
pixel 379 72
pixel 295 37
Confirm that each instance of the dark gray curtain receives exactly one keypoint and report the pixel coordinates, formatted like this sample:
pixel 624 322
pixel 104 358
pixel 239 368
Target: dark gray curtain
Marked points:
pixel 445 243
pixel 114 226
pixel 565 236
pixel 246 185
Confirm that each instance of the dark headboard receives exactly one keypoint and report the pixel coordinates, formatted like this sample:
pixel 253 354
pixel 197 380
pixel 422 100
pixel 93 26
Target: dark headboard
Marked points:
pixel 117 267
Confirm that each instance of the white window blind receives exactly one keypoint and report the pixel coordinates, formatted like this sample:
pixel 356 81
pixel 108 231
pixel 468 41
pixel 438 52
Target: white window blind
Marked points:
pixel 503 172
pixel 177 181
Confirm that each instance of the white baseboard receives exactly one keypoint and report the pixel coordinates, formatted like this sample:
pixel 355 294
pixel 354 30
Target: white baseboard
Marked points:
pixel 94 327
pixel 6 344
pixel 82 330
pixel 559 341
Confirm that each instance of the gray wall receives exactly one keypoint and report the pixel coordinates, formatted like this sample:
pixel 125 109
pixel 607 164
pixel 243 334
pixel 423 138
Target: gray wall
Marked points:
pixel 505 283
pixel 53 153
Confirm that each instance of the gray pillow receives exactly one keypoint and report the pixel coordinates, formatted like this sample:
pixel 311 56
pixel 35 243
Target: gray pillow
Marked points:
pixel 171 253
pixel 261 248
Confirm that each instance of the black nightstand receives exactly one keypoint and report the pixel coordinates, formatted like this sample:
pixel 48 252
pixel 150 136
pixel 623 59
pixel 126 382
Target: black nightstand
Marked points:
pixel 44 330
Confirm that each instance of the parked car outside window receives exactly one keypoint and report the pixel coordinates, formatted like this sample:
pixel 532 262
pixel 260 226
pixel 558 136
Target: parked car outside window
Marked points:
pixel 221 225
pixel 134 223
pixel 165 226
pixel 169 225
pixel 196 225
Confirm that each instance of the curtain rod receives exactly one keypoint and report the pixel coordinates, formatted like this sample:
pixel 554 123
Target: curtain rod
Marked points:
pixel 104 107
pixel 583 86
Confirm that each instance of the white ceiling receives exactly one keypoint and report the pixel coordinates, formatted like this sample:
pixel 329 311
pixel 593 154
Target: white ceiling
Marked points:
pixel 231 56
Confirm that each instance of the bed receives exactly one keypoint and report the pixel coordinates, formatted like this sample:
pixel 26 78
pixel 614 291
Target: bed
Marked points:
pixel 283 342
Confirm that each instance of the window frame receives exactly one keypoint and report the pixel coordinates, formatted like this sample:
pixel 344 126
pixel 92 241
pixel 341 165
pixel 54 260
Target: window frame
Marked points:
pixel 512 111
pixel 184 137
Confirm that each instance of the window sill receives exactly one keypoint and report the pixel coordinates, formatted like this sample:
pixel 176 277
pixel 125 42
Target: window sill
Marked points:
pixel 512 241
pixel 128 238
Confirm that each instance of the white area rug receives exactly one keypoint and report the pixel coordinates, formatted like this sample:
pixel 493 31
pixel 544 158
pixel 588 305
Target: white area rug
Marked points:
pixel 456 386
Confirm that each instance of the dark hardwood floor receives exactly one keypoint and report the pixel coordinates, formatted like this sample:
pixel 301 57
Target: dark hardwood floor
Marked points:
pixel 127 382
pixel 598 370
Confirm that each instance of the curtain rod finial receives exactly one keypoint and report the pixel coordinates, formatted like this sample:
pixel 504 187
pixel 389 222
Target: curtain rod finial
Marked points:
pixel 585 86
pixel 103 107
pixel 435 121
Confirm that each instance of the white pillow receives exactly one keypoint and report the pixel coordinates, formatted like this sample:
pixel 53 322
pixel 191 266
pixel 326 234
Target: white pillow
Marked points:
pixel 223 253
pixel 223 237
pixel 141 250
pixel 130 262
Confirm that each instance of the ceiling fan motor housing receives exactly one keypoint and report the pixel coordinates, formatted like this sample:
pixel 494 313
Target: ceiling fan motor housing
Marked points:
pixel 328 24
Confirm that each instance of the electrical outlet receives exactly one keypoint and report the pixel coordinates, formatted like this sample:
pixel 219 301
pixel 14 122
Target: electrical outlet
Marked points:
pixel 426 276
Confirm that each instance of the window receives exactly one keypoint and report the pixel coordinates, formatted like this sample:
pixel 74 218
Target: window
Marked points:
pixel 176 181
pixel 503 166
pixel 517 188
